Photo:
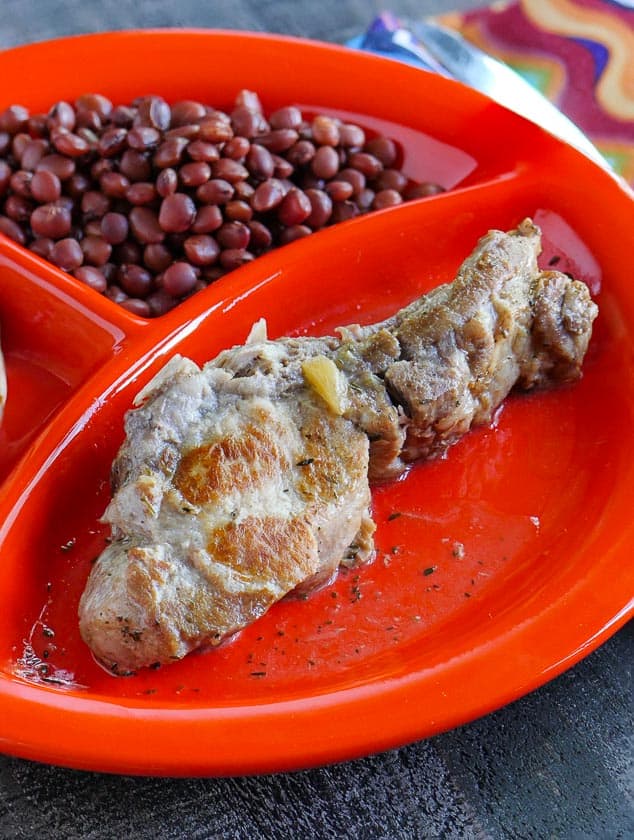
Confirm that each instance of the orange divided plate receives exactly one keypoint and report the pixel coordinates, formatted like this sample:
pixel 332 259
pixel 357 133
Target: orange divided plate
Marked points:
pixel 497 567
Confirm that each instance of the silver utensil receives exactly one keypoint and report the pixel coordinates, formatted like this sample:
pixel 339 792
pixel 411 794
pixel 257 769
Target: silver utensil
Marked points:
pixel 446 51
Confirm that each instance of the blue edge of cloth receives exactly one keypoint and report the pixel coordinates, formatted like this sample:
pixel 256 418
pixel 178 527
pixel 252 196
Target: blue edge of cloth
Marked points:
pixel 378 40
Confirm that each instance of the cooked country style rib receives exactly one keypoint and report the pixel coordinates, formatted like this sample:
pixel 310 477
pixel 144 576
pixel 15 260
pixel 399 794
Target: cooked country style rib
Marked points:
pixel 239 482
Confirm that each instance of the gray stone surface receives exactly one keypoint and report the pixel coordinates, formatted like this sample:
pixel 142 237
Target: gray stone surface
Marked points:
pixel 332 20
pixel 555 764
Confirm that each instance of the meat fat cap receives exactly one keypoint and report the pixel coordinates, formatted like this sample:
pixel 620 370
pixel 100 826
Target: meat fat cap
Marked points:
pixel 178 366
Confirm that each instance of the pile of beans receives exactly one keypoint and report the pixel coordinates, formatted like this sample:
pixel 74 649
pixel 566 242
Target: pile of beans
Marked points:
pixel 149 202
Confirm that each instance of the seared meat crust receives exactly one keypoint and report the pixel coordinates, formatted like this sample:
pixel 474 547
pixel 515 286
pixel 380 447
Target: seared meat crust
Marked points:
pixel 240 482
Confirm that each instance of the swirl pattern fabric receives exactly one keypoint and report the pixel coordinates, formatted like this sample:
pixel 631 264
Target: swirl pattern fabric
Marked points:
pixel 578 53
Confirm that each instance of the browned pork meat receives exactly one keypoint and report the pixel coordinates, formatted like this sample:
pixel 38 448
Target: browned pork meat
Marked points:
pixel 246 479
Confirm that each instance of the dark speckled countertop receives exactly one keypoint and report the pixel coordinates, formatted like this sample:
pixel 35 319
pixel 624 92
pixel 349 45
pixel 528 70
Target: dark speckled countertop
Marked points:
pixel 556 764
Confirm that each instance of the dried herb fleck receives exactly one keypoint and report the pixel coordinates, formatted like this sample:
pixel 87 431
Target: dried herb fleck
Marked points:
pixel 135 635
pixel 67 546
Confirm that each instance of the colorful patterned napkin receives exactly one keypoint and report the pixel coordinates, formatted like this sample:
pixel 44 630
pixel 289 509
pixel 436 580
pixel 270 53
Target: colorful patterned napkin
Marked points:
pixel 578 53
